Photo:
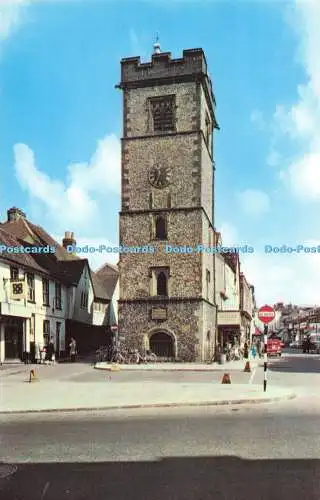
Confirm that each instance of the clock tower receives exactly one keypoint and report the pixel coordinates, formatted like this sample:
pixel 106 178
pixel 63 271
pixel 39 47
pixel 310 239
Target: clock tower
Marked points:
pixel 166 267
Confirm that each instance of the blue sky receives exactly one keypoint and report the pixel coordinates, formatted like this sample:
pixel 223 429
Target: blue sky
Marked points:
pixel 61 115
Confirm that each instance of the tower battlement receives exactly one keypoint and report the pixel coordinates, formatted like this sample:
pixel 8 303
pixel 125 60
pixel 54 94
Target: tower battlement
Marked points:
pixel 192 66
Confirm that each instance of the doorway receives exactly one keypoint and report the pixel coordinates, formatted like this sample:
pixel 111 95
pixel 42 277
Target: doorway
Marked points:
pixel 13 339
pixel 162 344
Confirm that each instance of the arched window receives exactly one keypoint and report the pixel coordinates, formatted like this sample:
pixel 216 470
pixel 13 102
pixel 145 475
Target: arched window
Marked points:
pixel 161 229
pixel 162 284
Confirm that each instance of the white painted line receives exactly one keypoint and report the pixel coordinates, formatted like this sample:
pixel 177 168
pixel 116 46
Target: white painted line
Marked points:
pixel 252 376
pixel 45 489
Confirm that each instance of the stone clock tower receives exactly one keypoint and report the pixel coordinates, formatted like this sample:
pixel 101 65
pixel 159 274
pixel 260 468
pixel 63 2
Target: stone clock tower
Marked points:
pixel 167 299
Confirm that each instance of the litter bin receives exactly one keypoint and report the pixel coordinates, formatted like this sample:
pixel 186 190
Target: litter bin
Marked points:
pixel 222 359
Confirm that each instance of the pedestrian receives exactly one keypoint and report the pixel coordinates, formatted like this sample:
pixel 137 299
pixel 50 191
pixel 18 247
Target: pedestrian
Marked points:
pixel 259 348
pixel 43 353
pixel 50 355
pixel 73 349
pixel 253 351
pixel 308 344
pixel 245 351
pixel 37 353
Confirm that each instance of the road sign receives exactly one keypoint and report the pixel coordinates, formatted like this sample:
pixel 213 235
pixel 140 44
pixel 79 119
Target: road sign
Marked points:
pixel 266 314
pixel 114 328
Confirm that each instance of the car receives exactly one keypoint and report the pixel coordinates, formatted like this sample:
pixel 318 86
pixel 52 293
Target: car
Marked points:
pixel 280 340
pixel 274 347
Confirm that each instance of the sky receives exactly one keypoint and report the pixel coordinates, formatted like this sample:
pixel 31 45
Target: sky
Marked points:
pixel 61 121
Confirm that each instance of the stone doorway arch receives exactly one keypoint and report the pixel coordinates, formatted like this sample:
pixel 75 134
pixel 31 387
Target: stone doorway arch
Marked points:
pixel 162 344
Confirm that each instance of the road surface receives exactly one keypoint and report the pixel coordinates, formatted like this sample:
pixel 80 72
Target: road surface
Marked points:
pixel 229 453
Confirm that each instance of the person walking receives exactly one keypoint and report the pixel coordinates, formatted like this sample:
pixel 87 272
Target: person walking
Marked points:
pixel 73 349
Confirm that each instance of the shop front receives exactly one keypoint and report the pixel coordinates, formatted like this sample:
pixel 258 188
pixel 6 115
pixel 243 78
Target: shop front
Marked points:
pixel 229 334
pixel 12 338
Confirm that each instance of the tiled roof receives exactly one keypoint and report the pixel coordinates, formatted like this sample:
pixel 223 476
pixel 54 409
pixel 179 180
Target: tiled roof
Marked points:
pixel 100 291
pixel 106 270
pixel 29 232
pixel 19 259
pixel 63 266
pixel 67 272
pixel 108 275
pixel 109 283
pixel 72 270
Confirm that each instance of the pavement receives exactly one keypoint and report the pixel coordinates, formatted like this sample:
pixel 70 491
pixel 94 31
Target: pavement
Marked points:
pixel 79 387
pixel 176 367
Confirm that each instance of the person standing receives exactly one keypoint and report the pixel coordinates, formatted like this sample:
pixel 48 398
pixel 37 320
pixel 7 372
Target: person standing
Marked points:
pixel 254 351
pixel 246 350
pixel 50 356
pixel 259 350
pixel 73 349
pixel 37 353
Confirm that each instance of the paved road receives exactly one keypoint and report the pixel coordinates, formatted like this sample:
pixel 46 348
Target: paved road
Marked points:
pixel 247 453
pixel 238 453
pixel 297 371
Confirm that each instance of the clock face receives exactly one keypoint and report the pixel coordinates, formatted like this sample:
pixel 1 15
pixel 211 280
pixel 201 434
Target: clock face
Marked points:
pixel 159 176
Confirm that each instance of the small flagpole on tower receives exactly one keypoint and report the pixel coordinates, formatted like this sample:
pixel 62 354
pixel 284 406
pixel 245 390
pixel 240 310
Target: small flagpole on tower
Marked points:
pixel 156 45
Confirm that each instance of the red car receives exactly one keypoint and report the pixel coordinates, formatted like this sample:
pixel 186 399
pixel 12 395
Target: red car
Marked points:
pixel 274 347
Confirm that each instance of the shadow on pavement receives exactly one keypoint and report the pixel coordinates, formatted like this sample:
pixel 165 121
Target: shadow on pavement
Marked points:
pixel 207 478
pixel 305 364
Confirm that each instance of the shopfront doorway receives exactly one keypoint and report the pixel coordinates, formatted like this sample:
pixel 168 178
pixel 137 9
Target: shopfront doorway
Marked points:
pixel 13 339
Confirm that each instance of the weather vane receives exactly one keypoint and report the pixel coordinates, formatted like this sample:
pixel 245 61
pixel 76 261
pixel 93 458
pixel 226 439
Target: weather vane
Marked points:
pixel 156 45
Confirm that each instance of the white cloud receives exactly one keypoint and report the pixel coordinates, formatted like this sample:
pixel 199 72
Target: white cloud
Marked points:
pixel 284 278
pixel 254 202
pixel 72 203
pixel 304 177
pixel 11 16
pixel 301 122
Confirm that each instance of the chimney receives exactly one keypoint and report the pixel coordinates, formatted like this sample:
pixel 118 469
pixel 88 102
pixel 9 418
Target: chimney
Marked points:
pixel 15 213
pixel 68 239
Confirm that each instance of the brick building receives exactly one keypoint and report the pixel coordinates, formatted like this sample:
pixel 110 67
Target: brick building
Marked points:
pixel 167 300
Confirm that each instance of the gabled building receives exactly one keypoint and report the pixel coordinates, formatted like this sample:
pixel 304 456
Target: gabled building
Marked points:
pixel 227 291
pixel 247 308
pixel 60 295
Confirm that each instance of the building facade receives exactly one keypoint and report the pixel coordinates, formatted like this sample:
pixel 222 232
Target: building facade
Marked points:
pixel 228 296
pixel 59 296
pixel 167 299
pixel 246 308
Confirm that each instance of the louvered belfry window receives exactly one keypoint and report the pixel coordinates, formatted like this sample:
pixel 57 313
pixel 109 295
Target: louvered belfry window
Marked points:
pixel 163 113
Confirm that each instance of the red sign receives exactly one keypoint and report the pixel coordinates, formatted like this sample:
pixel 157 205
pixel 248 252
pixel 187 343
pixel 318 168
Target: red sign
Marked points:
pixel 114 328
pixel 266 314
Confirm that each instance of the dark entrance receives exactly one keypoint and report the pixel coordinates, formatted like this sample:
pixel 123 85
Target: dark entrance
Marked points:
pixel 162 345
pixel 13 338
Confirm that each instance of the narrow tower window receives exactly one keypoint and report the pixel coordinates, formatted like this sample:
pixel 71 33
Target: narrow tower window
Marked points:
pixel 162 288
pixel 161 228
